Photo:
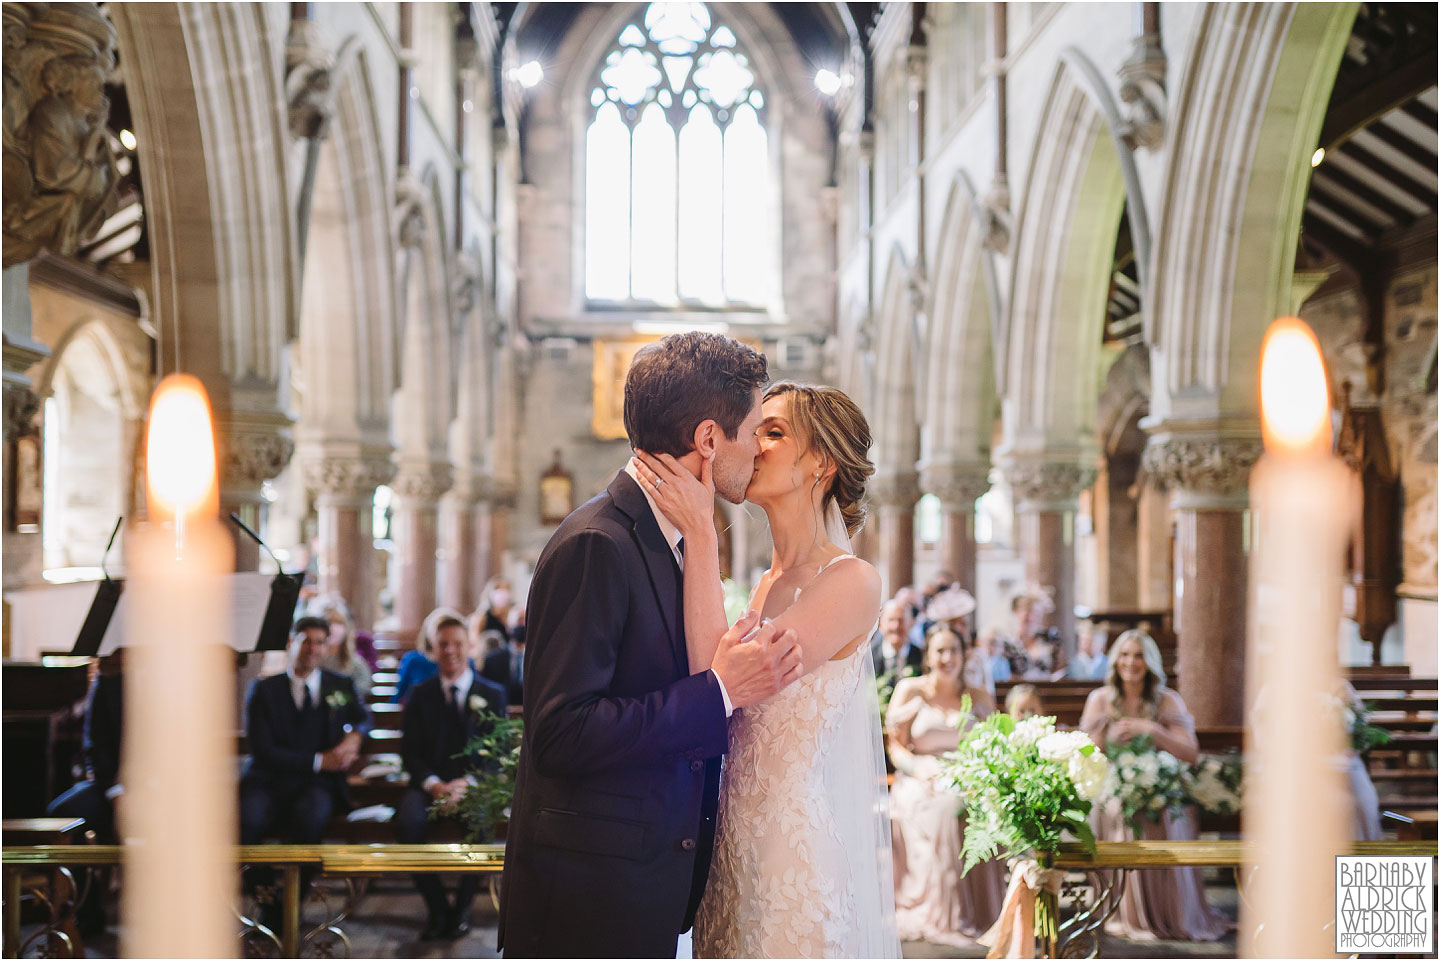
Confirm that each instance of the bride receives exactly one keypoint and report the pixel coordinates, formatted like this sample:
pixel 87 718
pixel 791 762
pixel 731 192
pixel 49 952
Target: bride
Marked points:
pixel 802 845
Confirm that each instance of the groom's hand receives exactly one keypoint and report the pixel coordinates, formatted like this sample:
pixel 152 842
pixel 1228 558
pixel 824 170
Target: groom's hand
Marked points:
pixel 754 666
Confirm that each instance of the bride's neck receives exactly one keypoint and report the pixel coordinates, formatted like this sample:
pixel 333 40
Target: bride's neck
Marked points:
pixel 797 529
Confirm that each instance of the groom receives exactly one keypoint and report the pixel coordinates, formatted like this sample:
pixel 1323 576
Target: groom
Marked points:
pixel 613 821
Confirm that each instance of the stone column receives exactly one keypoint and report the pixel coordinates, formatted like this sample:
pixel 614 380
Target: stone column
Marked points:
pixel 958 487
pixel 253 448
pixel 1208 476
pixel 1045 501
pixel 1117 525
pixel 345 487
pixel 502 503
pixel 418 487
pixel 1155 551
pixel 895 497
pixel 459 554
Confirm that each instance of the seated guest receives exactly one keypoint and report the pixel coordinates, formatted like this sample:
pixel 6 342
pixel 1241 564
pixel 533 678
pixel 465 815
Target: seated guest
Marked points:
pixel 1166 903
pixel 305 728
pixel 950 610
pixel 1089 663
pixel 497 599
pixel 96 798
pixel 924 623
pixel 993 647
pixel 1023 701
pixel 419 665
pixel 891 651
pixel 441 717
pixel 502 660
pixel 933 901
pixel 341 655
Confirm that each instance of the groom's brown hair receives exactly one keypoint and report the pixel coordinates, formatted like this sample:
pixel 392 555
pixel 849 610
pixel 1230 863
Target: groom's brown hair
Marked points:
pixel 684 379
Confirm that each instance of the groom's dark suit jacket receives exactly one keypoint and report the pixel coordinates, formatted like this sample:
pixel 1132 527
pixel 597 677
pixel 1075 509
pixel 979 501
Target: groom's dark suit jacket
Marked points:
pixel 613 821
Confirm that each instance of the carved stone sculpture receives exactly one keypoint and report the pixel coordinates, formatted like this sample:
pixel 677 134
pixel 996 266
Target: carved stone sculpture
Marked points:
pixel 1039 485
pixel 1207 469
pixel 309 82
pixel 60 177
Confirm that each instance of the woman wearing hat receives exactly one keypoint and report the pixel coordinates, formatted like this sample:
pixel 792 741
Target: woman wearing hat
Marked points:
pixel 950 610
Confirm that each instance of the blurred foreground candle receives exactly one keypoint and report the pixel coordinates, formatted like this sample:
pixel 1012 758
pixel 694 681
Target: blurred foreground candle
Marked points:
pixel 1295 806
pixel 178 815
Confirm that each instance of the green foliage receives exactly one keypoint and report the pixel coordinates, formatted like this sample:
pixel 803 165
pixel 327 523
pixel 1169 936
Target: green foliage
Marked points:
pixel 1022 798
pixel 493 758
pixel 1146 780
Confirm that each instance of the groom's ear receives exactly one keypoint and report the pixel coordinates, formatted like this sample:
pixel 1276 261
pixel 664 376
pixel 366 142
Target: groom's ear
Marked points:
pixel 707 433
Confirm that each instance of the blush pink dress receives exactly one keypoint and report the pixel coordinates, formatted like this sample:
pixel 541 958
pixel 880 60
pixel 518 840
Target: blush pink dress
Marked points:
pixel 933 902
pixel 1163 903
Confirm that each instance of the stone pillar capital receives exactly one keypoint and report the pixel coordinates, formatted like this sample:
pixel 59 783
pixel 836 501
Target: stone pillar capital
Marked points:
pixel 347 479
pixel 253 448
pixel 1204 471
pixel 469 488
pixel 895 491
pixel 957 485
pixel 1048 485
pixel 422 482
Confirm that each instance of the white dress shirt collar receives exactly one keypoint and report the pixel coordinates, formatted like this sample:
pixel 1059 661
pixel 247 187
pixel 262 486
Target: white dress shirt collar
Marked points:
pixel 297 687
pixel 463 682
pixel 667 529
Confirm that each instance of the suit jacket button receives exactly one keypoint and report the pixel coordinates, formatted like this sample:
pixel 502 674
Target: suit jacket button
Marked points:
pixel 697 766
pixel 688 844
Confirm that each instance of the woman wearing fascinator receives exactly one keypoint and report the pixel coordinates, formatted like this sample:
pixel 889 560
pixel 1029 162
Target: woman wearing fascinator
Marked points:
pixel 802 847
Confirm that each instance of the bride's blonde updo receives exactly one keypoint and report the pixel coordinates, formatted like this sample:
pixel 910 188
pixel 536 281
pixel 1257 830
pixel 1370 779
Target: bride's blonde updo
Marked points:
pixel 829 422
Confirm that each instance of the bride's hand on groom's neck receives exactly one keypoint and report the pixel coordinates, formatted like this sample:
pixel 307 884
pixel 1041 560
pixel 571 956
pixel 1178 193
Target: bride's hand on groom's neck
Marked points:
pixel 688 501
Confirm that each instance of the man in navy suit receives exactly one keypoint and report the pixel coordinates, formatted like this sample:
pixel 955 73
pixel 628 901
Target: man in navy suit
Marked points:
pixel 613 822
pixel 95 798
pixel 441 716
pixel 305 729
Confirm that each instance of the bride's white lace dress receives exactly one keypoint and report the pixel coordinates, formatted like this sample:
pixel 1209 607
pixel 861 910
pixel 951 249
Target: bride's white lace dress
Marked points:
pixel 798 870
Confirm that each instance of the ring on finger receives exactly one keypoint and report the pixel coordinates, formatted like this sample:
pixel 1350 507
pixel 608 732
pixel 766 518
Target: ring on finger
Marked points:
pixel 659 481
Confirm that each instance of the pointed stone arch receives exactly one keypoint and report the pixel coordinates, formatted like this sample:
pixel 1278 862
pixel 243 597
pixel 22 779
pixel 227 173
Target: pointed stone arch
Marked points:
pixel 1065 239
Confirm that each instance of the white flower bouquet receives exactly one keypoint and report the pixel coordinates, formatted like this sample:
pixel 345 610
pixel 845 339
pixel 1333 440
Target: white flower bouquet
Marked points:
pixel 1216 783
pixel 1026 787
pixel 1145 781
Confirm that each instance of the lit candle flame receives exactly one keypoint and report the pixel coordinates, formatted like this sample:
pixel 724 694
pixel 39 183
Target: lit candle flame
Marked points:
pixel 1294 395
pixel 180 453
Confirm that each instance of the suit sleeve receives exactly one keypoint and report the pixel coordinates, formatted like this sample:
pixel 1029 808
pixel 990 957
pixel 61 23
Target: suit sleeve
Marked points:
pixel 577 618
pixel 355 713
pixel 265 746
pixel 102 736
pixel 414 741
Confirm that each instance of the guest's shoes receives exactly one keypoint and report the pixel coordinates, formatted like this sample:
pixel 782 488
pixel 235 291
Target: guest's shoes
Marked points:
pixel 458 925
pixel 436 927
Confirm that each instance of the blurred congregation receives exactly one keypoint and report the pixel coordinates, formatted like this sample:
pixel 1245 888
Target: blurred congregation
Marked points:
pixel 410 250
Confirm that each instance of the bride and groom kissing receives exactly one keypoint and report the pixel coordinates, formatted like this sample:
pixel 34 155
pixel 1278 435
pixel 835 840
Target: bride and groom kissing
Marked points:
pixel 625 827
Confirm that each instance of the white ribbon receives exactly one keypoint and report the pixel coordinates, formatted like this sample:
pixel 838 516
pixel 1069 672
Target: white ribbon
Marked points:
pixel 1013 933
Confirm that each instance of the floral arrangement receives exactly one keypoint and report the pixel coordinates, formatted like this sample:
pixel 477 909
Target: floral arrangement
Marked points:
pixel 494 758
pixel 337 699
pixel 1145 780
pixel 1027 786
pixel 1216 783
pixel 1354 715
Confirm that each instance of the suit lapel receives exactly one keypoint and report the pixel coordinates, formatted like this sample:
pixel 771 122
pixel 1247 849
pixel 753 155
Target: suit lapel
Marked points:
pixel 659 562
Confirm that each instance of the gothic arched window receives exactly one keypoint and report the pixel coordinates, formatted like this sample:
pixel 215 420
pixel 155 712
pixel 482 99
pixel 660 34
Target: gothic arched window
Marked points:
pixel 677 194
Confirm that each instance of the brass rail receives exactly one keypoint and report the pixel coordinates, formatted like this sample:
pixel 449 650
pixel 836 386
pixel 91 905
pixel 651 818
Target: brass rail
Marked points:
pixel 370 860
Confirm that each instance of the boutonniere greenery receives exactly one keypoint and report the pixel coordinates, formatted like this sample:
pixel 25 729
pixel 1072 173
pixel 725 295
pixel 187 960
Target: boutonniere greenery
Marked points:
pixel 337 699
pixel 478 703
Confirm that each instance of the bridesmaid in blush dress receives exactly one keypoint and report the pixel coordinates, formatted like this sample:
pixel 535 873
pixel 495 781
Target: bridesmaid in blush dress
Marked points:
pixel 933 902
pixel 1166 903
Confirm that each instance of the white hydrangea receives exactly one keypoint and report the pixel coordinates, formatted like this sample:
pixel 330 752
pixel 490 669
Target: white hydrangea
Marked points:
pixel 1089 773
pixel 1031 730
pixel 1061 745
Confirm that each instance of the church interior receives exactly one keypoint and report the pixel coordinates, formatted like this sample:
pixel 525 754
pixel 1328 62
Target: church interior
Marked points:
pixel 408 252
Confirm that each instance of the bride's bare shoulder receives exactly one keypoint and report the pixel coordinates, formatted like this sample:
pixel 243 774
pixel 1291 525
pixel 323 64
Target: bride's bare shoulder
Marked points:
pixel 850 576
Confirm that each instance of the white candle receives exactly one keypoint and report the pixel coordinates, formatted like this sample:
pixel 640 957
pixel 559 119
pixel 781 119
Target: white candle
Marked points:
pixel 179 815
pixel 1295 807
